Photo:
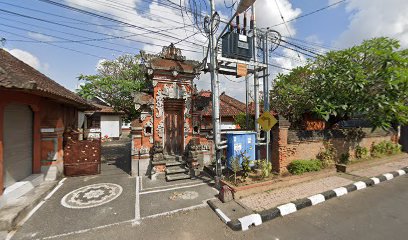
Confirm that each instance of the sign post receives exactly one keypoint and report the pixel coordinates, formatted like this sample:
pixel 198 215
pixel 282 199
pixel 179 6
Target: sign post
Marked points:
pixel 267 121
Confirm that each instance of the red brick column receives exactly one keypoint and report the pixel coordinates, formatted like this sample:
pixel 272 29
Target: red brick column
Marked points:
pixel 279 145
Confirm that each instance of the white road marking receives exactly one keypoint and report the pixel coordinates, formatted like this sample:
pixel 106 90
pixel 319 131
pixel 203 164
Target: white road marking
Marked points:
pixel 202 205
pixel 55 189
pixel 360 185
pixel 223 217
pixel 253 219
pixel 401 172
pixel 316 199
pixel 287 209
pixel 175 188
pixel 376 180
pixel 137 203
pixel 141 183
pixel 340 191
pixel 87 230
pixel 172 185
pixel 388 176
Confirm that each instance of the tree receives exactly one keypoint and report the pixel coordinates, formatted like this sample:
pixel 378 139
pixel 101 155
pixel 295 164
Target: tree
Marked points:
pixel 240 119
pixel 369 81
pixel 115 82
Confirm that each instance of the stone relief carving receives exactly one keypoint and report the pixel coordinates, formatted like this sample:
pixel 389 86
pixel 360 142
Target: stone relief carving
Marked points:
pixel 160 129
pixel 144 150
pixel 148 124
pixel 186 129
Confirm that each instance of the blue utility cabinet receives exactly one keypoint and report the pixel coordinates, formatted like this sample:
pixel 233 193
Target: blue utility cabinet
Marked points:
pixel 238 143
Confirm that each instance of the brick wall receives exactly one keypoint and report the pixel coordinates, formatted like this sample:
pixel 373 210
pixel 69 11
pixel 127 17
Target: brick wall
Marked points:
pixel 289 145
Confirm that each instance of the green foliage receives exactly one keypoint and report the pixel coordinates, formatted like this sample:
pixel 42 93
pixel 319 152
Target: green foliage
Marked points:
pixel 298 167
pixel 240 119
pixel 328 155
pixel 265 166
pixel 362 152
pixel 115 82
pixel 344 158
pixel 246 169
pixel 368 80
pixel 385 148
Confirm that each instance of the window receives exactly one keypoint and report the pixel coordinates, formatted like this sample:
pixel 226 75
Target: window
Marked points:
pixel 93 121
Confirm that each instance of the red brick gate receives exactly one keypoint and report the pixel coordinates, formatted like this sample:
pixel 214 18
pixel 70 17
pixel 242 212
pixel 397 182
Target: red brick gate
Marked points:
pixel 81 157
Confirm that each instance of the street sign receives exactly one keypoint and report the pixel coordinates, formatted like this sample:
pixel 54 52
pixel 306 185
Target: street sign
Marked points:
pixel 267 121
pixel 242 70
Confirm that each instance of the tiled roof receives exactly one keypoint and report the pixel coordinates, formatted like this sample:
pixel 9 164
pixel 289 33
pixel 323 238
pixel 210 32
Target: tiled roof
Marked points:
pixel 106 109
pixel 229 106
pixel 15 74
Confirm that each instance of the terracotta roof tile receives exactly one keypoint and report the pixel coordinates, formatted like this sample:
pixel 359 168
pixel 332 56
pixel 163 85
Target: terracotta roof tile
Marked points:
pixel 18 75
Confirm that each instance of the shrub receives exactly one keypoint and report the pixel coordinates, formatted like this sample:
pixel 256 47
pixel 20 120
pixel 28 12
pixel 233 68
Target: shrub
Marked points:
pixel 344 158
pixel 298 167
pixel 385 148
pixel 361 152
pixel 327 157
pixel 265 167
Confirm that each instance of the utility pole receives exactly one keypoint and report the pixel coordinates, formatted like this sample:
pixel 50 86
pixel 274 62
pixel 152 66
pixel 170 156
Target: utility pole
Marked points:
pixel 266 88
pixel 246 102
pixel 256 83
pixel 215 94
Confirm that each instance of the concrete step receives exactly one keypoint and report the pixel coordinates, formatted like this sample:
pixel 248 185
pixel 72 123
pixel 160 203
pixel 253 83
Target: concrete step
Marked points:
pixel 172 157
pixel 175 163
pixel 176 169
pixel 179 176
pixel 20 188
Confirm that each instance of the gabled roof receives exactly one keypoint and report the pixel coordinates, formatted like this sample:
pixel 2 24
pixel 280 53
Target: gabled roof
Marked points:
pixel 229 106
pixel 15 74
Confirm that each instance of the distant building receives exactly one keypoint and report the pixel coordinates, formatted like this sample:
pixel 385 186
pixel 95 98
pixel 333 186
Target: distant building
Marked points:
pixel 105 121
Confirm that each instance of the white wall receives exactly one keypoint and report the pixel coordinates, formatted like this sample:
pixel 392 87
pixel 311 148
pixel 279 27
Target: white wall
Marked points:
pixel 110 125
pixel 228 125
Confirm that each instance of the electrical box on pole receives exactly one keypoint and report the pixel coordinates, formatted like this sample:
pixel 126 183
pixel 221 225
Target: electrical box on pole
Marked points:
pixel 237 46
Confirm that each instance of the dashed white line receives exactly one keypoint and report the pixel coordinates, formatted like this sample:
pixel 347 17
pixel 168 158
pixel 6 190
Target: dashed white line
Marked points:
pixel 175 188
pixel 137 203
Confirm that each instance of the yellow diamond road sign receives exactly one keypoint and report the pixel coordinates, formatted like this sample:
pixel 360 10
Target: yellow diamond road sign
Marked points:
pixel 267 121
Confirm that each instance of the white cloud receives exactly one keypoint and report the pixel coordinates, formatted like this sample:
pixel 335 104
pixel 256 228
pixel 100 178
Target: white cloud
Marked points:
pixel 26 57
pixel 40 37
pixel 375 18
pixel 156 16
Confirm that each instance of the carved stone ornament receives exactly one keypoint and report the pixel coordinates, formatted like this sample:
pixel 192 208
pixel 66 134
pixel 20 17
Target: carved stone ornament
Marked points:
pixel 172 91
pixel 137 106
pixel 160 129
pixel 186 129
pixel 151 139
pixel 148 124
pixel 154 82
pixel 144 150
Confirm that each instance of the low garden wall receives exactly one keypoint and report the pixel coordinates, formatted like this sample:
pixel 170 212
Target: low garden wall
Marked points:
pixel 289 145
pixel 308 144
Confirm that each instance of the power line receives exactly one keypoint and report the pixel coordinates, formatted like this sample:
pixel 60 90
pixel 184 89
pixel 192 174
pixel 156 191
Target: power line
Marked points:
pixel 54 45
pixel 105 34
pixel 110 19
pixel 304 49
pixel 310 13
pixel 284 22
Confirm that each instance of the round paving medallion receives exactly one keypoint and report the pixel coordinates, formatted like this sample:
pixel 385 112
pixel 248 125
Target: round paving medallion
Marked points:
pixel 91 195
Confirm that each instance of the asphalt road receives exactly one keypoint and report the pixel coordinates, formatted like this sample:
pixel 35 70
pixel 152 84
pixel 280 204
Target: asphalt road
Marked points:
pixel 380 212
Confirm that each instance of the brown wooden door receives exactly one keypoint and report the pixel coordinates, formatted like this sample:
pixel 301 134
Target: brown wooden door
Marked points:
pixel 173 127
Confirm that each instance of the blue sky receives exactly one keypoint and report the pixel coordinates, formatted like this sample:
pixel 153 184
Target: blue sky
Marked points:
pixel 337 27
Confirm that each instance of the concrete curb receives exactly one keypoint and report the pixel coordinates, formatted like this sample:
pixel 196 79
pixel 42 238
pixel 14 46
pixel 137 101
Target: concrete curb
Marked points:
pixel 243 224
